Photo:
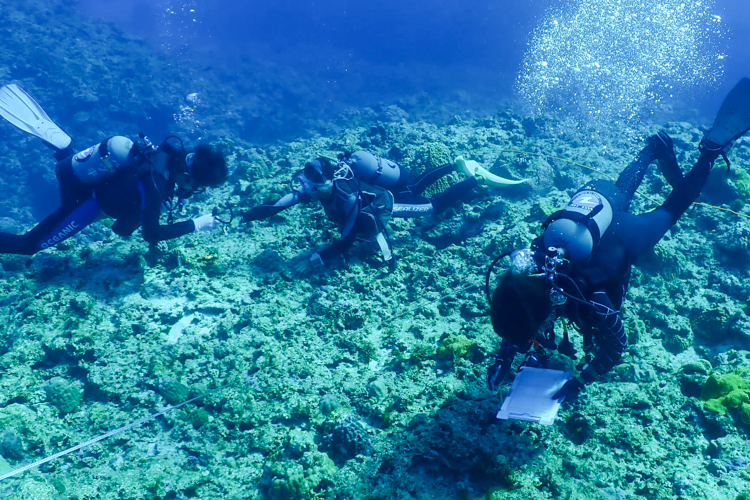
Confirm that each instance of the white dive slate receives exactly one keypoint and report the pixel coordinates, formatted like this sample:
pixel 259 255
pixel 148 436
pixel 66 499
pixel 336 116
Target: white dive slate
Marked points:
pixel 530 396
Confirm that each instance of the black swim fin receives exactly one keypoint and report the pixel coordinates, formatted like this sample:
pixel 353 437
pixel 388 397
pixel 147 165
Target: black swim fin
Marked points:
pixel 733 119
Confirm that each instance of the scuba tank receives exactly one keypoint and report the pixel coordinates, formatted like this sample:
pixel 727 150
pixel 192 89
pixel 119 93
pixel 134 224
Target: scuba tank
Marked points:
pixel 374 169
pixel 579 227
pixel 103 160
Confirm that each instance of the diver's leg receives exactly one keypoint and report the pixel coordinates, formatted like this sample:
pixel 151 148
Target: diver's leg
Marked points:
pixel 73 192
pixel 409 206
pixel 660 148
pixel 663 149
pixel 630 178
pixel 59 226
pixel 61 154
pixel 642 232
pixel 453 194
pixel 687 191
pixel 428 178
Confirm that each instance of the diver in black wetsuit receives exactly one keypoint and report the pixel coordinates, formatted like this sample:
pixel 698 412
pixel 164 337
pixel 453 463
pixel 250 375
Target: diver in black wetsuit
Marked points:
pixel 126 181
pixel 580 267
pixel 362 208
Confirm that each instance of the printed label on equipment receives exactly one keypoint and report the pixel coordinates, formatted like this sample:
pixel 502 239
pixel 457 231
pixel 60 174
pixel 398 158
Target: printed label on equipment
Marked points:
pixel 85 154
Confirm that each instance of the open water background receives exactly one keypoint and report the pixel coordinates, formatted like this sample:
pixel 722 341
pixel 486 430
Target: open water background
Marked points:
pixel 364 53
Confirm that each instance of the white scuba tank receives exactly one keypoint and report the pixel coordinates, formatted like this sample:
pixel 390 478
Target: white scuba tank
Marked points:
pixel 101 161
pixel 580 225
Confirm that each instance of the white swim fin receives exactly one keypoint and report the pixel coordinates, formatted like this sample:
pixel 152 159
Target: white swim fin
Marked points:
pixel 471 168
pixel 20 109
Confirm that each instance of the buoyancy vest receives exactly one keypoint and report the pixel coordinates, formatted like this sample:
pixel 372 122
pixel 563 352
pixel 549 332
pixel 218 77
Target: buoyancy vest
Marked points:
pixel 354 195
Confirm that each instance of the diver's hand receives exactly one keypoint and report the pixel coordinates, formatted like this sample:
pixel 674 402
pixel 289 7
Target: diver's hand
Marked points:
pixel 204 223
pixel 301 267
pixel 305 264
pixel 497 372
pixel 570 390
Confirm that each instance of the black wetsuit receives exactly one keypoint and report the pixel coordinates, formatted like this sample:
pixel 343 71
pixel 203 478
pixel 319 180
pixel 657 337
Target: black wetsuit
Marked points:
pixel 602 279
pixel 362 210
pixel 133 197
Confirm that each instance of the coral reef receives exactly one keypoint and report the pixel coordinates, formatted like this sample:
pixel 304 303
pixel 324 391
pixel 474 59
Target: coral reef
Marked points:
pixel 62 394
pixel 358 381
pixel 173 391
pixel 297 470
pixel 347 439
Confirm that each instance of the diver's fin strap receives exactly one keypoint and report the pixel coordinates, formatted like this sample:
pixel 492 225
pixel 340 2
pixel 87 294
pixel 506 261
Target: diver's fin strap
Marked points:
pixel 726 159
pixel 708 147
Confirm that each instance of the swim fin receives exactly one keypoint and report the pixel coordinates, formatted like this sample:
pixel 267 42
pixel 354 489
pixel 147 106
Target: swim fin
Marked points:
pixel 471 168
pixel 20 109
pixel 733 119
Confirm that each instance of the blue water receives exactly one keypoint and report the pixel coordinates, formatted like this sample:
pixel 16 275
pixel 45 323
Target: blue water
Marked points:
pixel 363 53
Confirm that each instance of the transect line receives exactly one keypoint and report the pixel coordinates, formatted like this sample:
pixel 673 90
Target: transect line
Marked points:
pixel 101 437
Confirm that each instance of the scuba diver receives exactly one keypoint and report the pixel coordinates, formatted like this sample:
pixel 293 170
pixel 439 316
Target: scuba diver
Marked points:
pixel 361 192
pixel 128 181
pixel 579 268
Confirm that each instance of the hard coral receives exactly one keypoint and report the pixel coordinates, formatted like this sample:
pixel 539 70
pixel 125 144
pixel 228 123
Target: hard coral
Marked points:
pixel 173 391
pixel 713 324
pixel 297 470
pixel 287 480
pixel 431 155
pixel 11 446
pixel 328 404
pixel 454 347
pixel 348 439
pixel 62 394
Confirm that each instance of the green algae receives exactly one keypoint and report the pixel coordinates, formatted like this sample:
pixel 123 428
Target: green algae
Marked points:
pixel 454 347
pixel 727 392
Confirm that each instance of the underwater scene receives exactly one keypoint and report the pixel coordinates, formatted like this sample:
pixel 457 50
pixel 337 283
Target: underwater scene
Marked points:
pixel 375 250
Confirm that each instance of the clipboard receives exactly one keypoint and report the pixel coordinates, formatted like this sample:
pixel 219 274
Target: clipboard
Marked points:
pixel 530 396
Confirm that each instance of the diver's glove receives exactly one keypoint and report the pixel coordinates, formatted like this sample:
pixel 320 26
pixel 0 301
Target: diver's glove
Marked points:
pixel 570 390
pixel 497 372
pixel 204 223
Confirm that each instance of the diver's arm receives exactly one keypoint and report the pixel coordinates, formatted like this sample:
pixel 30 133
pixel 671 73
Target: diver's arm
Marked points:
pixel 501 367
pixel 265 211
pixel 348 234
pixel 338 247
pixel 152 231
pixel 611 337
